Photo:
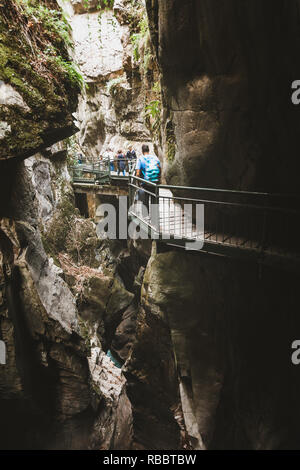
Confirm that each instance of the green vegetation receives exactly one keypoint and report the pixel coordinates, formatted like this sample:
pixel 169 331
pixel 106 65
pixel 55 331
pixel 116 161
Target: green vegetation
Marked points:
pixel 102 4
pixel 153 118
pixel 43 35
pixel 71 71
pixel 34 59
pixel 171 148
pixel 148 57
pixel 142 54
pixel 138 38
pixel 53 20
pixel 156 88
pixel 86 335
pixel 152 115
pixel 73 148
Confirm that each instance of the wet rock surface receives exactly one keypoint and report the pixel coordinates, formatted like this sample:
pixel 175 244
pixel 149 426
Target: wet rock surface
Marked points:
pixel 152 385
pixel 37 99
pixel 66 296
pixel 116 345
pixel 110 112
pixel 227 73
pixel 231 336
pixel 66 391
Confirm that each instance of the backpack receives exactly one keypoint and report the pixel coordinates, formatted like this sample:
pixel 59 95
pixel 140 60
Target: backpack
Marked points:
pixel 152 170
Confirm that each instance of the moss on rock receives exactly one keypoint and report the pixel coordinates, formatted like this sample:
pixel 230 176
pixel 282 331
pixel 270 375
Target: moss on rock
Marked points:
pixel 35 62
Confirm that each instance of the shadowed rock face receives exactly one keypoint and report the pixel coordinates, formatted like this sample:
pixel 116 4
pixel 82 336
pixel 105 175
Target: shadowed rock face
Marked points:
pixel 152 384
pixel 58 388
pixel 227 69
pixel 231 335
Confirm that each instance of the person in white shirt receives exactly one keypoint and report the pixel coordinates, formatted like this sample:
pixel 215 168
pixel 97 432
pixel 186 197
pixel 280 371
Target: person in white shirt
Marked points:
pixel 109 157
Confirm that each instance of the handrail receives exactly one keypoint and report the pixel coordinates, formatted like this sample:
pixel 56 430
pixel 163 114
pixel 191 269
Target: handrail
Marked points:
pixel 231 192
pixel 260 223
pixel 185 188
pixel 102 162
pixel 236 222
pixel 217 190
pixel 141 180
pixel 102 170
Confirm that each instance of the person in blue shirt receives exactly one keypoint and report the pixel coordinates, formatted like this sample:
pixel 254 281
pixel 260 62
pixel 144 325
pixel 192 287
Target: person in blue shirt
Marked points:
pixel 149 169
pixel 148 166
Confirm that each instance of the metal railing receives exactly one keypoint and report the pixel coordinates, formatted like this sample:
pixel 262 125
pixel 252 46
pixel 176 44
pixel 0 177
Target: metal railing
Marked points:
pixel 102 171
pixel 252 221
pixel 255 222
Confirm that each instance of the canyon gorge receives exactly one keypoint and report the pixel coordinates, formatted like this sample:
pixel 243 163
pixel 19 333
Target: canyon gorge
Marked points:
pixel 137 344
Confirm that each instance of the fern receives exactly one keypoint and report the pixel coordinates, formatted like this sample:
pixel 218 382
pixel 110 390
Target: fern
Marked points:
pixel 152 114
pixel 137 38
pixel 54 20
pixel 71 70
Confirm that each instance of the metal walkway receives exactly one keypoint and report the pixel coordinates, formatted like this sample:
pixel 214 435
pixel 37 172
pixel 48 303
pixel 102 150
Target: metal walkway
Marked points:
pixel 236 223
pixel 101 172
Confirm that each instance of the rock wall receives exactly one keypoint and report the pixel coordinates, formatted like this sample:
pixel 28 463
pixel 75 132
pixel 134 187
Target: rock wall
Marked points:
pixel 141 342
pixel 37 97
pixel 232 324
pixel 70 313
pixel 71 299
pixel 111 109
pixel 58 388
pixel 227 71
pixel 204 341
pixel 228 121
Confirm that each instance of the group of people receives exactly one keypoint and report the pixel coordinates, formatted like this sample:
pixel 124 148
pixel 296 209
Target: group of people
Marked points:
pixel 147 166
pixel 120 162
